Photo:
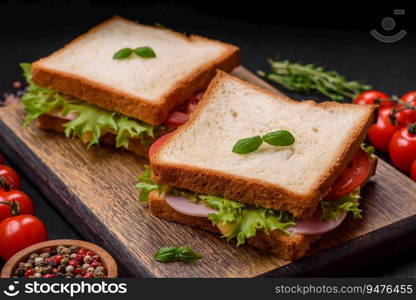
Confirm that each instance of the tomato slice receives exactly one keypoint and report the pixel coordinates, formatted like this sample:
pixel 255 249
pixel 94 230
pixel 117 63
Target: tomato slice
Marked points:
pixel 159 142
pixel 192 103
pixel 353 176
pixel 176 118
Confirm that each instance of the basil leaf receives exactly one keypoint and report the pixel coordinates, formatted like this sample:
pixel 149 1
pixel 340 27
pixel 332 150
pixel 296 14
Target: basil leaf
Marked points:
pixel 166 254
pixel 247 145
pixel 279 138
pixel 187 255
pixel 145 52
pixel 170 254
pixel 123 53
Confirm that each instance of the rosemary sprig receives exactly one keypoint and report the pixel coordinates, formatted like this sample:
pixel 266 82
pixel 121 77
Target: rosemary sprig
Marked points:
pixel 310 78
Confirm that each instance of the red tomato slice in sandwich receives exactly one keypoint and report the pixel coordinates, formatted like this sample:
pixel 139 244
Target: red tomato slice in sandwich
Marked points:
pixel 159 142
pixel 353 176
pixel 176 118
pixel 193 102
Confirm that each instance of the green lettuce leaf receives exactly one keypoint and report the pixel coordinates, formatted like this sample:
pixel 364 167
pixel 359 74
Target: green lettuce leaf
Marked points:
pixel 90 120
pixel 245 221
pixel 130 128
pixel 146 185
pixel 348 203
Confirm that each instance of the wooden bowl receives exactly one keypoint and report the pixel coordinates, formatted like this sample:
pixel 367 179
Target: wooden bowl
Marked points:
pixel 107 260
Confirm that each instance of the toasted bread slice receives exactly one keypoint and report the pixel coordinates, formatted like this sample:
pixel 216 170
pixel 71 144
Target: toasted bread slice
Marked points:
pixel 199 156
pixel 276 242
pixel 145 89
pixel 55 124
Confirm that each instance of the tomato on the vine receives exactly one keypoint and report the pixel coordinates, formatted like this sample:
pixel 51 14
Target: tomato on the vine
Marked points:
pixel 9 177
pixel 383 130
pixel 403 148
pixel 413 171
pixel 14 202
pixel 407 116
pixel 20 232
pixel 368 97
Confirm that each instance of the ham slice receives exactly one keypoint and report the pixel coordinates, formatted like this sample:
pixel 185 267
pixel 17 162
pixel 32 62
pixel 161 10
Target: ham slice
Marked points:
pixel 184 206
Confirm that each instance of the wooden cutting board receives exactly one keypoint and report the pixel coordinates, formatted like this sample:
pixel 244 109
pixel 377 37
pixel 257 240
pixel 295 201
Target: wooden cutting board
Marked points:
pixel 95 191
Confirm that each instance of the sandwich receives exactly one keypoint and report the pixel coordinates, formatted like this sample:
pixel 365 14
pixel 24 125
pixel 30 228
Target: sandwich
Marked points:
pixel 261 169
pixel 123 83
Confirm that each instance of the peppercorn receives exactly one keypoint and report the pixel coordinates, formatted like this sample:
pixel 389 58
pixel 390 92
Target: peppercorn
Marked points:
pixel 100 268
pixel 64 260
pixel 61 261
pixel 20 272
pixel 38 261
pixel 73 262
pixel 88 275
pixel 33 255
pixel 99 274
pixel 66 251
pixel 61 268
pixel 95 264
pixel 87 259
pixel 69 269
pixel 28 266
pixel 52 264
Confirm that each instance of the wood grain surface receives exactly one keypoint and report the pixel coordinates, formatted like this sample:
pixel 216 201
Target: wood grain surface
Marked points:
pixel 95 191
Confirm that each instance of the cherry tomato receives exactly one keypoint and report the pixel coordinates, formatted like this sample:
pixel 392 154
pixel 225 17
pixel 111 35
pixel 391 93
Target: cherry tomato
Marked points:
pixel 407 116
pixel 368 97
pixel 14 196
pixel 381 133
pixel 176 118
pixel 1 159
pixel 413 171
pixel 192 103
pixel 155 146
pixel 17 233
pixel 403 148
pixel 10 177
pixel 353 176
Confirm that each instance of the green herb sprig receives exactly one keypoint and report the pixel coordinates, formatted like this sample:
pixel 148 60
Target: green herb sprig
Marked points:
pixel 143 52
pixel 310 78
pixel 171 254
pixel 274 138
